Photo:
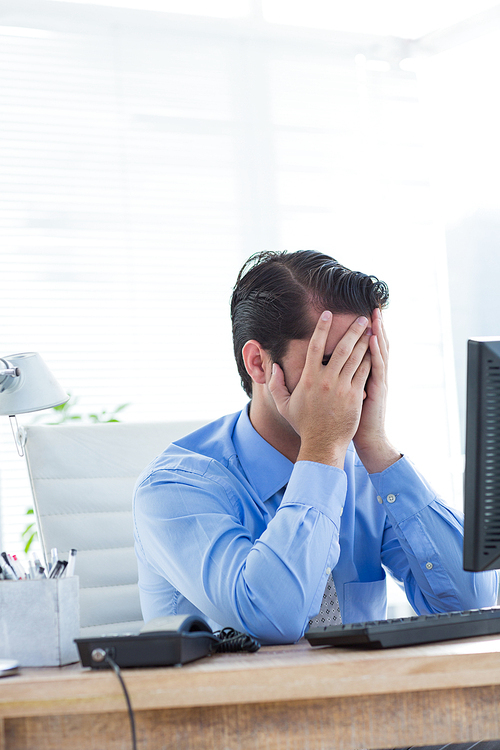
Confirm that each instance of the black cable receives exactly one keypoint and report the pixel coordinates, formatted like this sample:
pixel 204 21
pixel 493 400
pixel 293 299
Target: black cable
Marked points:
pixel 231 640
pixel 118 673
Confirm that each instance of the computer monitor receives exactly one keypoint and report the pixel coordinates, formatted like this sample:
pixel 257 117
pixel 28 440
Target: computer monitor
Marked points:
pixel 482 456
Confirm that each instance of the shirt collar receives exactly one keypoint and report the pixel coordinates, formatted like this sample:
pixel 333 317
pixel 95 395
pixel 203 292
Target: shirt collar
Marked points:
pixel 266 469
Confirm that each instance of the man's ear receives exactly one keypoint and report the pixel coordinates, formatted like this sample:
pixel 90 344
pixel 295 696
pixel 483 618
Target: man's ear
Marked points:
pixel 257 361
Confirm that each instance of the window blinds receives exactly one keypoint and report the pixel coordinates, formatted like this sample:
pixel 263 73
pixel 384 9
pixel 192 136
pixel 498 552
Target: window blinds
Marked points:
pixel 140 165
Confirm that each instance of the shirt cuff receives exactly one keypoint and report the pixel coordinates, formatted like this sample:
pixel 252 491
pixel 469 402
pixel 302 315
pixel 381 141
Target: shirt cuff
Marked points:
pixel 402 490
pixel 319 486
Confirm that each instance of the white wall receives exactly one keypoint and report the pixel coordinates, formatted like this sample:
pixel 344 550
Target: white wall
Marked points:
pixel 462 115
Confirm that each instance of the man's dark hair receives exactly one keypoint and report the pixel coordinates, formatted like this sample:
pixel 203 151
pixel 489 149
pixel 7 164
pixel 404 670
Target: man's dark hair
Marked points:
pixel 274 292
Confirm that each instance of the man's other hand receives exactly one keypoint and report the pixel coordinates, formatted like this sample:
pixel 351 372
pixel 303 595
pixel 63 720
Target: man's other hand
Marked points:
pixel 370 439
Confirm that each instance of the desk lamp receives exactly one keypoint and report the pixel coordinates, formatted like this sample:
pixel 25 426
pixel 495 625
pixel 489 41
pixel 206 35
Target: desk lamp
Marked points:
pixel 26 384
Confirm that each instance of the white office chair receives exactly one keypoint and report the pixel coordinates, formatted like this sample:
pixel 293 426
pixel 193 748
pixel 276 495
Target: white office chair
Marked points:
pixel 82 479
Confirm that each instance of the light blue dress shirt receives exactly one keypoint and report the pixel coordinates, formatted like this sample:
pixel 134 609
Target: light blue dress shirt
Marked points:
pixel 216 536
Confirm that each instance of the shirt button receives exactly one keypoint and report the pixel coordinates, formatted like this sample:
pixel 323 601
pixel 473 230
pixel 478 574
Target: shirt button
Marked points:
pixel 341 510
pixel 328 571
pixel 379 499
pixel 391 498
pixel 429 566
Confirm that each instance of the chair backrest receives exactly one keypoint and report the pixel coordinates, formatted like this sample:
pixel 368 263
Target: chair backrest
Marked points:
pixel 82 478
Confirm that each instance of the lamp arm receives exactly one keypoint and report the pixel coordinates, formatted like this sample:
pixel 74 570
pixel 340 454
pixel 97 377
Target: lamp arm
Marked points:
pixel 14 372
pixel 19 434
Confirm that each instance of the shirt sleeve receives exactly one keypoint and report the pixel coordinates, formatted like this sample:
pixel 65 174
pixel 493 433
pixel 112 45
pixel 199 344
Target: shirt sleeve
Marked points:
pixel 189 529
pixel 423 542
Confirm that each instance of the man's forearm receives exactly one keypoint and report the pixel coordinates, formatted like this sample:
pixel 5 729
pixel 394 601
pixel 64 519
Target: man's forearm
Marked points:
pixel 321 452
pixel 378 457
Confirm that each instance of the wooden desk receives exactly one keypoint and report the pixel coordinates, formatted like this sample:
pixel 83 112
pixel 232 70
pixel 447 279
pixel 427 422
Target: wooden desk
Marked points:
pixel 292 697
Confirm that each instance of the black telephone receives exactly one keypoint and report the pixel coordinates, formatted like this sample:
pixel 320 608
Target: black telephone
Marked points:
pixel 162 642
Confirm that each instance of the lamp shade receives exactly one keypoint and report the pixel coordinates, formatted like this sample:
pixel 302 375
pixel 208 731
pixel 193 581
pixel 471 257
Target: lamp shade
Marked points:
pixel 31 388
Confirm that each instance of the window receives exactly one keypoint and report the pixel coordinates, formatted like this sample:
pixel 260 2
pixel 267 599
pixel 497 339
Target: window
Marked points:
pixel 145 157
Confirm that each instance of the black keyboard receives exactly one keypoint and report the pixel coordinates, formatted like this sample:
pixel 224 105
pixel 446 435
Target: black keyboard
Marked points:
pixel 408 631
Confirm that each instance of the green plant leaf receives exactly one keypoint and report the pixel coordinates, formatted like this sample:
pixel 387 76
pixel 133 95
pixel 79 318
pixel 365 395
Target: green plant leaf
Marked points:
pixel 119 408
pixel 29 528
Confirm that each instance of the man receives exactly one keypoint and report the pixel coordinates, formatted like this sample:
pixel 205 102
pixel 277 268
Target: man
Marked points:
pixel 299 503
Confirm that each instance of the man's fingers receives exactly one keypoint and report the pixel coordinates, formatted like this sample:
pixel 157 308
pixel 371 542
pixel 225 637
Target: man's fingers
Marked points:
pixel 278 389
pixel 316 348
pixel 379 350
pixel 361 375
pixel 379 365
pixel 351 349
pixel 379 331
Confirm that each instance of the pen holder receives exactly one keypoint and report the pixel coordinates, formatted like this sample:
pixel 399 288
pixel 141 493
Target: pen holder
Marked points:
pixel 39 620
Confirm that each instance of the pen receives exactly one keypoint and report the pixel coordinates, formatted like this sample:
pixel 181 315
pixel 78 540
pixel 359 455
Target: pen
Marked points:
pixel 62 568
pixel 8 569
pixel 58 569
pixel 40 571
pixel 54 570
pixel 54 557
pixel 21 573
pixel 7 573
pixel 70 570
